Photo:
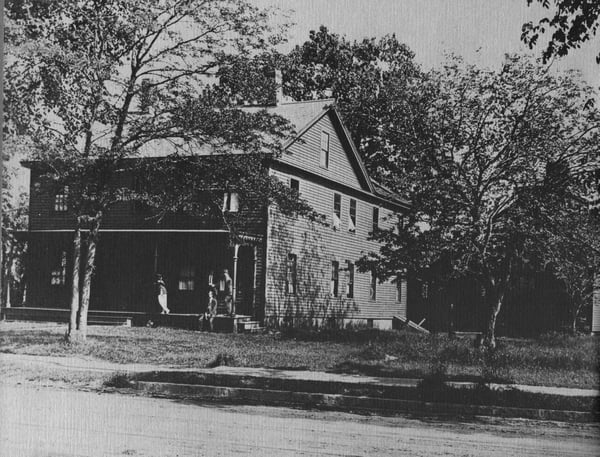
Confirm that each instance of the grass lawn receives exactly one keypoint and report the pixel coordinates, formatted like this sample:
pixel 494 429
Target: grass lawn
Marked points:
pixel 554 360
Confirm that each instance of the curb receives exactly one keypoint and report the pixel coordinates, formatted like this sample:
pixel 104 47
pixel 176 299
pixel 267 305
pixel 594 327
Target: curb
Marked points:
pixel 350 403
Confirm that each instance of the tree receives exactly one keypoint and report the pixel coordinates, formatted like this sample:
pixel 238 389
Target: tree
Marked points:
pixel 373 81
pixel 475 173
pixel 573 22
pixel 93 82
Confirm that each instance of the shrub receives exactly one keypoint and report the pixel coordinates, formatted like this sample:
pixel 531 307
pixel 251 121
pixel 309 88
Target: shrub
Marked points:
pixel 223 359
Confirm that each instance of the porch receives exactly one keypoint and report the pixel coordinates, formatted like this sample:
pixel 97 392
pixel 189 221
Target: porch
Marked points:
pixel 127 262
pixel 222 322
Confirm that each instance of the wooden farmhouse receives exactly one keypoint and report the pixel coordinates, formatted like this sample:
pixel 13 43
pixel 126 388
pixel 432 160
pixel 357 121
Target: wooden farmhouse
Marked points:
pixel 286 269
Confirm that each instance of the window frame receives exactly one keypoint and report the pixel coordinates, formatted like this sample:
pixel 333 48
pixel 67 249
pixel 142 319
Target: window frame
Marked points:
pixel 187 278
pixel 324 151
pixel 231 202
pixel 375 218
pixel 295 184
pixel 349 279
pixel 58 273
pixel 352 208
pixel 291 274
pixel 61 200
pixel 373 286
pixel 337 211
pixel 334 285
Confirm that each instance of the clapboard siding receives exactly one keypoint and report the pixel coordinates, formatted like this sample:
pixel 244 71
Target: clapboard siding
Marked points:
pixel 596 305
pixel 305 153
pixel 316 246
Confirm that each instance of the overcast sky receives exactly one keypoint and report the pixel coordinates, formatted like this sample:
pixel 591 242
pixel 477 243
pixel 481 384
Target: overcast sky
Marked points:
pixel 481 31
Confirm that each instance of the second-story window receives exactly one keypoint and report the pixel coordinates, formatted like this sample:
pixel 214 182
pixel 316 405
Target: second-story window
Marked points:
pixel 231 202
pixel 295 184
pixel 375 218
pixel 349 279
pixel 337 211
pixel 61 200
pixel 352 216
pixel 335 278
pixel 324 159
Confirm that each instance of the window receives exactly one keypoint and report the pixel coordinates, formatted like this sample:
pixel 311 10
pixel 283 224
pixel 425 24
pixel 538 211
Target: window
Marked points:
pixel 425 291
pixel 58 275
pixel 399 289
pixel 291 276
pixel 373 288
pixel 335 279
pixel 337 211
pixel 349 279
pixel 295 184
pixel 375 218
pixel 186 278
pixel 60 200
pixel 324 162
pixel 352 216
pixel 231 202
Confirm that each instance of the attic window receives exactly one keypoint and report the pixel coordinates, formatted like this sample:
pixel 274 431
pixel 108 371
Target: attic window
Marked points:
pixel 324 161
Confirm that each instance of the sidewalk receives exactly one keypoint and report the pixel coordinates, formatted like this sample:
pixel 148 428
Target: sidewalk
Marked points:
pixel 311 389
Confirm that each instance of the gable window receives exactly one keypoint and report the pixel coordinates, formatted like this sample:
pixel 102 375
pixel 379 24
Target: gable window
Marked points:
pixel 337 211
pixel 324 160
pixel 335 278
pixel 58 275
pixel 186 278
pixel 295 184
pixel 375 218
pixel 373 287
pixel 231 202
pixel 352 216
pixel 291 275
pixel 349 279
pixel 60 200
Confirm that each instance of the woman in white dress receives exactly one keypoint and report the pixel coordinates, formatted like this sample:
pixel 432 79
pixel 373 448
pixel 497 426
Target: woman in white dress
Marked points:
pixel 161 290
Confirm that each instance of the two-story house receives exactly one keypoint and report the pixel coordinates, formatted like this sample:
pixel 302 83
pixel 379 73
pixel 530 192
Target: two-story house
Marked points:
pixel 287 269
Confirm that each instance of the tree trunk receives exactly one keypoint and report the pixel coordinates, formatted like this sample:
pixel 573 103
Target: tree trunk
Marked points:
pixel 90 259
pixel 574 315
pixel 489 337
pixel 72 331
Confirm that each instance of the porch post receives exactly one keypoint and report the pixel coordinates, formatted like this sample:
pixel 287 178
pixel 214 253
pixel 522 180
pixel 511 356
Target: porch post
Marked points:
pixel 155 257
pixel 236 249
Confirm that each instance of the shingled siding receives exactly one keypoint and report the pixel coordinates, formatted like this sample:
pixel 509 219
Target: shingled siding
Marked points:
pixel 304 153
pixel 316 247
pixel 129 215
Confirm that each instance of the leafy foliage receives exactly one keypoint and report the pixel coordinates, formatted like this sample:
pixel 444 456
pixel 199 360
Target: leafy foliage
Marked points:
pixel 573 22
pixel 476 173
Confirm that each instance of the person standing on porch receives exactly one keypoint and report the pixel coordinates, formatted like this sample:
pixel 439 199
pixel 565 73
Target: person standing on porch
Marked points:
pixel 161 293
pixel 227 289
pixel 211 311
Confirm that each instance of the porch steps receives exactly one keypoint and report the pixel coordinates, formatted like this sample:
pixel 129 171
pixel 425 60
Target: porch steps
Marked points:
pixel 249 326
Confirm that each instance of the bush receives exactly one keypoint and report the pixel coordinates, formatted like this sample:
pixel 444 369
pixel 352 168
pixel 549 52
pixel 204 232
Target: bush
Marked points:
pixel 223 359
pixel 495 366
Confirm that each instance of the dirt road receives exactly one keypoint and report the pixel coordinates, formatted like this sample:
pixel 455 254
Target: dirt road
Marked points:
pixel 61 422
